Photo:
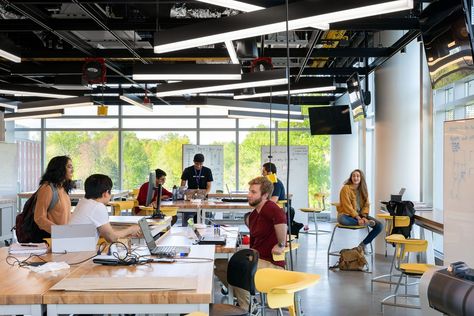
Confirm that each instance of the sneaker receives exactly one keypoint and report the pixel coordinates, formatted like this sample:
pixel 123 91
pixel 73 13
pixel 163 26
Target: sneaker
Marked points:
pixel 363 248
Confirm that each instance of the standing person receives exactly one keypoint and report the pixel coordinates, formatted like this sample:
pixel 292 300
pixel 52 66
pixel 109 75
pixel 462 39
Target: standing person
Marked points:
pixel 196 177
pixel 92 209
pixel 267 225
pixel 278 194
pixel 354 205
pixel 57 177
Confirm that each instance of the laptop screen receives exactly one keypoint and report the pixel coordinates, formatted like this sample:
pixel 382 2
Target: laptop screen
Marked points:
pixel 150 241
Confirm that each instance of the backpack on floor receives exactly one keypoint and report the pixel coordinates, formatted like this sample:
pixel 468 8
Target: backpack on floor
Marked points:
pixel 401 208
pixel 351 260
pixel 26 228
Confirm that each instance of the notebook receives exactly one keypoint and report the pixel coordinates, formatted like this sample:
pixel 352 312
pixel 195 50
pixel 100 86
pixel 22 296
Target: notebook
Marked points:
pixel 160 251
pixel 210 239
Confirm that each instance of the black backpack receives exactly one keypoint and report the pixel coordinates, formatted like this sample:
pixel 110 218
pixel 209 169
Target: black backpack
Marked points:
pixel 25 226
pixel 401 208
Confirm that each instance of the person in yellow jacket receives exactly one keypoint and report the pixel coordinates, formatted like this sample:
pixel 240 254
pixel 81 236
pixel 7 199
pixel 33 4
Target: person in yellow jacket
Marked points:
pixel 353 206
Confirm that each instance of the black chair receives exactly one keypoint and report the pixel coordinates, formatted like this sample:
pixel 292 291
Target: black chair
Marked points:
pixel 240 273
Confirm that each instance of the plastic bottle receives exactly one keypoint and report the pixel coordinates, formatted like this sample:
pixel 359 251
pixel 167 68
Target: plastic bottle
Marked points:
pixel 175 193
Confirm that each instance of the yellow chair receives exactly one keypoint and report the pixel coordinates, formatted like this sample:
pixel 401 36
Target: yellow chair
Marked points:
pixel 336 252
pixel 319 206
pixel 280 287
pixel 403 247
pixel 134 193
pixel 282 257
pixel 400 221
pixel 119 206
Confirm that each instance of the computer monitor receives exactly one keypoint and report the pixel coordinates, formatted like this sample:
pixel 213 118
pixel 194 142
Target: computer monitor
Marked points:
pixel 330 120
pixel 151 186
pixel 356 98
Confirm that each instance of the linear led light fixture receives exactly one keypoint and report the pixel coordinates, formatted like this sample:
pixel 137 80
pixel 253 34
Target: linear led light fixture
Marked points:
pixel 54 104
pixel 134 100
pixel 254 79
pixel 250 106
pixel 232 53
pixel 282 90
pixel 9 51
pixel 14 58
pixel 8 105
pixel 257 115
pixel 232 4
pixel 31 91
pixel 33 115
pixel 186 72
pixel 272 20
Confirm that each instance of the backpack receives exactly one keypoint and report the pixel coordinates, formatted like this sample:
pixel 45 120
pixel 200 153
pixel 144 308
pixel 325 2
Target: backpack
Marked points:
pixel 25 226
pixel 401 208
pixel 351 260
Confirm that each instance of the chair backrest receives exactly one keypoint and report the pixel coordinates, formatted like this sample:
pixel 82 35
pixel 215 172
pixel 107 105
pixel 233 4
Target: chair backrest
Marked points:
pixel 242 268
pixel 122 205
pixel 135 193
pixel 320 201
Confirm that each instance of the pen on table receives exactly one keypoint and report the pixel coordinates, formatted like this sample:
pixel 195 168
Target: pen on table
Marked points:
pixel 28 245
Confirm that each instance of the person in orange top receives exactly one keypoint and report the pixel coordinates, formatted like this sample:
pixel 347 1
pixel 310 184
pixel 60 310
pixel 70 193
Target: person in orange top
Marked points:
pixel 58 174
pixel 353 206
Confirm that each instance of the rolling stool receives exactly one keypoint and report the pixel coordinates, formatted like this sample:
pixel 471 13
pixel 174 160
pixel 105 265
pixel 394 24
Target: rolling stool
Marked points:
pixel 336 253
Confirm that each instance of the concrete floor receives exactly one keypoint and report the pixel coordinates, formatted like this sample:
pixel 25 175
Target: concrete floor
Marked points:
pixel 340 292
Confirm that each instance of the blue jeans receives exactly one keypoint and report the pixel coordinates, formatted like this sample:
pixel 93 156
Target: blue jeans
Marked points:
pixel 347 220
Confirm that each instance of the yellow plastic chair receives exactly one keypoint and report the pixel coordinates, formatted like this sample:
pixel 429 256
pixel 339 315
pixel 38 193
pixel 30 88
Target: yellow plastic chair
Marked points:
pixel 400 221
pixel 134 193
pixel 280 286
pixel 319 206
pixel 282 257
pixel 403 247
pixel 119 206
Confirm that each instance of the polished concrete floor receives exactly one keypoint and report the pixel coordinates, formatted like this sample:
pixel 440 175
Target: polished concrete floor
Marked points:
pixel 340 292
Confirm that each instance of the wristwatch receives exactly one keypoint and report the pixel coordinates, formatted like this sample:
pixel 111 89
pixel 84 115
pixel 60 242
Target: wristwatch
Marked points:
pixel 281 245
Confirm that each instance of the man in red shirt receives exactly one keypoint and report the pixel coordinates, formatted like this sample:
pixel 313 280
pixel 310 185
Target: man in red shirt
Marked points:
pixel 165 194
pixel 267 224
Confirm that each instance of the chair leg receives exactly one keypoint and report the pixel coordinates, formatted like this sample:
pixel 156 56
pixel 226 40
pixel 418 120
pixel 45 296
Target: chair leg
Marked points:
pixel 330 243
pixel 315 229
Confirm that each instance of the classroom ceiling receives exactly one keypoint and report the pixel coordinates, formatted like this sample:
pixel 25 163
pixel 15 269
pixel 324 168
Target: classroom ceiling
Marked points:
pixel 55 39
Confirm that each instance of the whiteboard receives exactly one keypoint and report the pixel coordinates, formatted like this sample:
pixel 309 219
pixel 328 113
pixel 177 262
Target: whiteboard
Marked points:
pixel 213 159
pixel 298 174
pixel 458 191
pixel 8 170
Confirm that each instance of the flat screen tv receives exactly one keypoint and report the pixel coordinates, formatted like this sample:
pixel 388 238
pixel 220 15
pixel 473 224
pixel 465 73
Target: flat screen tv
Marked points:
pixel 447 40
pixel 330 120
pixel 356 99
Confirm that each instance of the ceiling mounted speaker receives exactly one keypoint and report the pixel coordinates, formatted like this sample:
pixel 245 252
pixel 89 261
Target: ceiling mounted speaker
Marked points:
pixel 261 64
pixel 94 71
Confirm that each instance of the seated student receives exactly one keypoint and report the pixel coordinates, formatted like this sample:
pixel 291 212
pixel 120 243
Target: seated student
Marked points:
pixel 165 194
pixel 92 209
pixel 353 206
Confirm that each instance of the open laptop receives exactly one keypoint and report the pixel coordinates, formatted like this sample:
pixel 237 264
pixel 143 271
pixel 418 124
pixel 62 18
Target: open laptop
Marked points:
pixel 160 251
pixel 195 194
pixel 234 199
pixel 209 239
pixel 397 197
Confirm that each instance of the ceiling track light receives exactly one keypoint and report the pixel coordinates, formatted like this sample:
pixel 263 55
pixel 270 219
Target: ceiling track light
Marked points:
pixel 134 100
pixel 256 115
pixel 186 72
pixel 255 79
pixel 272 20
pixel 33 115
pixel 232 4
pixel 54 104
pixel 311 86
pixel 32 91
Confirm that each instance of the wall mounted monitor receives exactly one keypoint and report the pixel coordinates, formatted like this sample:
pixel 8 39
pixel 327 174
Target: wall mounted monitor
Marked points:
pixel 356 99
pixel 445 28
pixel 330 120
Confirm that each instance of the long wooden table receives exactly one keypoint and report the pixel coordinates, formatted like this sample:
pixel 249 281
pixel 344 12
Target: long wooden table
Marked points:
pixel 138 301
pixel 21 290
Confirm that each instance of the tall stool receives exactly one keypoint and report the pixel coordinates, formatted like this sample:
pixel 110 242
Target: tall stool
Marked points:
pixel 336 252
pixel 319 206
pixel 403 247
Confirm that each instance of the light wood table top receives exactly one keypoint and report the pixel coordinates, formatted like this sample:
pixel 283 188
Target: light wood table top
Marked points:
pixel 203 271
pixel 431 220
pixel 78 194
pixel 206 204
pixel 20 286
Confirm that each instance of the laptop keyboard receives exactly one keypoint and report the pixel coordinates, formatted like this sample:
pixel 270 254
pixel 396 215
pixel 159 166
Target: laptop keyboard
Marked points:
pixel 165 251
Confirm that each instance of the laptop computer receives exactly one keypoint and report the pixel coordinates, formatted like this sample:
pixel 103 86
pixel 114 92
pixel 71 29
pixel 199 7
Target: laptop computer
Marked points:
pixel 209 239
pixel 195 194
pixel 234 199
pixel 397 197
pixel 73 238
pixel 160 251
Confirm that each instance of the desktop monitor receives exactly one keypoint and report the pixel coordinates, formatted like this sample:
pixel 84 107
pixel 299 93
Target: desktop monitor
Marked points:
pixel 330 120
pixel 356 99
pixel 447 38
pixel 151 187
